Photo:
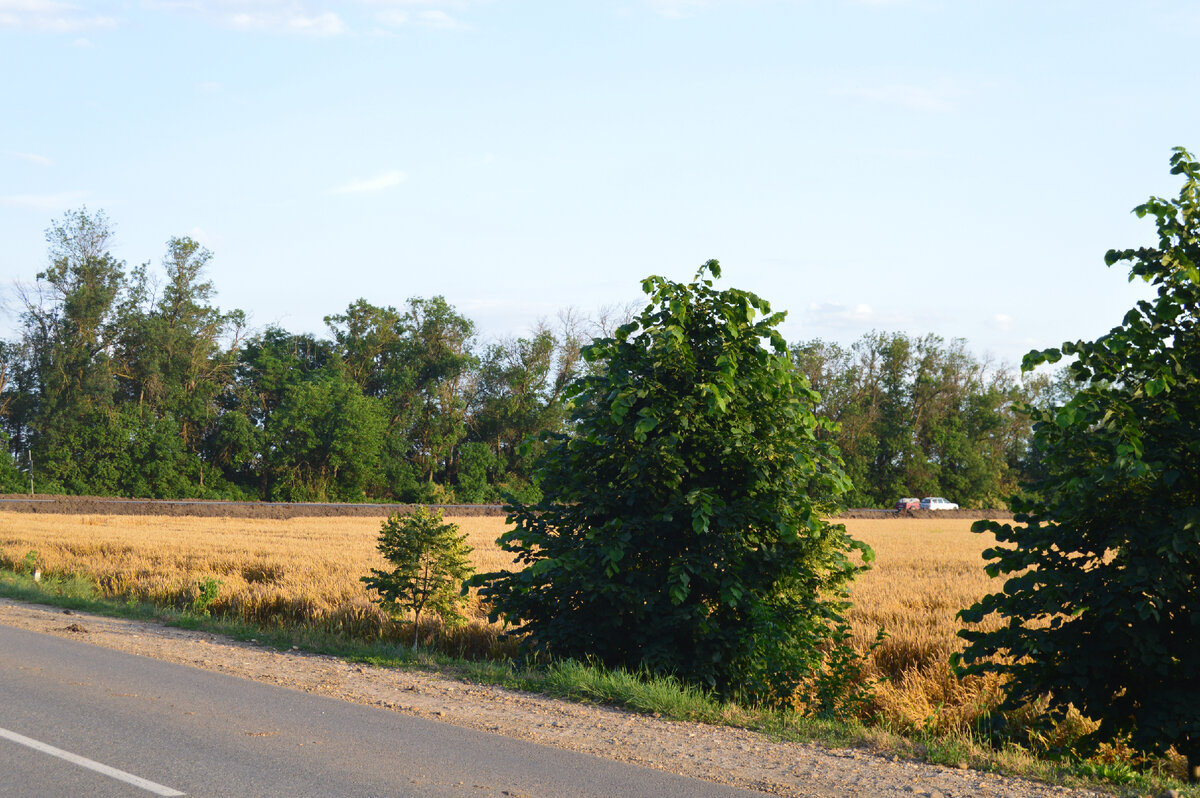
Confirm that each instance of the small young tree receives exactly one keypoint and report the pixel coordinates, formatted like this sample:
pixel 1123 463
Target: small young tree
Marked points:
pixel 431 561
pixel 681 528
pixel 1100 608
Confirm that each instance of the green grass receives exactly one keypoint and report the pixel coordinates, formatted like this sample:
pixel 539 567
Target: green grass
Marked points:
pixel 592 683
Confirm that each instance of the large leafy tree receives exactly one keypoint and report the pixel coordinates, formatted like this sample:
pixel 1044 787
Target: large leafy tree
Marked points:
pixel 419 364
pixel 269 367
pixel 682 525
pixel 1099 609
pixel 68 371
pixel 323 440
pixel 176 355
pixel 520 393
pixel 917 416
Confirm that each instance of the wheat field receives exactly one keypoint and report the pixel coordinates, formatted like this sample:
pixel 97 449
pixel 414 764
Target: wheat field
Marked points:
pixel 925 571
pixel 307 570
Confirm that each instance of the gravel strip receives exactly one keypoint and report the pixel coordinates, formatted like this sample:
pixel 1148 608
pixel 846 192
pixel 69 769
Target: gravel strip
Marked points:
pixel 725 755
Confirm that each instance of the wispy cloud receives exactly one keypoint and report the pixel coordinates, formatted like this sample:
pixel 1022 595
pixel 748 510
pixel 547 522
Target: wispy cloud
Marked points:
pixel 677 9
pixel 50 16
pixel 298 17
pixel 392 17
pixel 438 19
pixel 834 315
pixel 380 182
pixel 40 160
pixel 313 17
pixel 42 202
pixel 286 21
pixel 205 237
pixel 939 97
pixel 327 24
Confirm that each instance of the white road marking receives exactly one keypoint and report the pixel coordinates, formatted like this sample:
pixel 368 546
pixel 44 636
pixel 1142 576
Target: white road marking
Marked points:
pixel 128 778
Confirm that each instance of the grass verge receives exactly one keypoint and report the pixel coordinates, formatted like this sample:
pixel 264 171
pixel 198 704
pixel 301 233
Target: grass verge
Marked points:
pixel 637 692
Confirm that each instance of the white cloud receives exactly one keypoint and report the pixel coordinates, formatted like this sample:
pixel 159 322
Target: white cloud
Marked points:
pixel 205 237
pixel 311 17
pixel 327 24
pixel 289 20
pixel 1002 321
pixel 50 16
pixel 42 202
pixel 40 160
pixel 835 315
pixel 676 9
pixel 392 17
pixel 941 96
pixel 438 19
pixel 380 182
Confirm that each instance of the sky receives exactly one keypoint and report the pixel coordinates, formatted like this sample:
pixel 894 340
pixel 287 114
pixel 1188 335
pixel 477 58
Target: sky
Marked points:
pixel 923 166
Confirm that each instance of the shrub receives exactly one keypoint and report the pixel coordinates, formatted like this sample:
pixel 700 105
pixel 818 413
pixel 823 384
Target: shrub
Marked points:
pixel 431 562
pixel 681 526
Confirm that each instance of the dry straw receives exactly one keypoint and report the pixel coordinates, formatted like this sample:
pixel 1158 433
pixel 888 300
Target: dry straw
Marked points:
pixel 307 570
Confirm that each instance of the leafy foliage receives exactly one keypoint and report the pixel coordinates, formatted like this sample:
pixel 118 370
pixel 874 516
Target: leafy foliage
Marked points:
pixel 207 591
pixel 431 561
pixel 131 381
pixel 918 417
pixel 1103 566
pixel 681 528
pixel 323 440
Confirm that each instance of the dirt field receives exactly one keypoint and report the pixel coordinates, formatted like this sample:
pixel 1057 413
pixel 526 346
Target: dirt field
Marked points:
pixel 94 505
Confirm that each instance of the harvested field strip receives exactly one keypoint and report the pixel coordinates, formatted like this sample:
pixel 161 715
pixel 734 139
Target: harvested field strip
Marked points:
pixel 307 570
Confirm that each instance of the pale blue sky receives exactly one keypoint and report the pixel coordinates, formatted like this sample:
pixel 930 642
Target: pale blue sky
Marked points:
pixel 928 166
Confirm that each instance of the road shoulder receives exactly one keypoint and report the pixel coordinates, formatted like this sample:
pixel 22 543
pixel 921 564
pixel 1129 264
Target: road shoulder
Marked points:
pixel 723 755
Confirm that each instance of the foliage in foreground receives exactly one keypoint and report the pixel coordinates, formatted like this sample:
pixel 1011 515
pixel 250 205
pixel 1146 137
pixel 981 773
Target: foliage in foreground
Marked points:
pixel 682 527
pixel 636 691
pixel 1099 606
pixel 431 561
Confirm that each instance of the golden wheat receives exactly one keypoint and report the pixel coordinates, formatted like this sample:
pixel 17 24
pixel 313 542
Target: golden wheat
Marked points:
pixel 304 570
pixel 308 570
pixel 926 570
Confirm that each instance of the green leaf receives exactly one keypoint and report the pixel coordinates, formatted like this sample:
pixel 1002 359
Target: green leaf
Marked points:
pixel 644 425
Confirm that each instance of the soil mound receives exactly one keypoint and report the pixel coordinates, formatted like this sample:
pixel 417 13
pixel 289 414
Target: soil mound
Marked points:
pixel 100 505
pixel 97 505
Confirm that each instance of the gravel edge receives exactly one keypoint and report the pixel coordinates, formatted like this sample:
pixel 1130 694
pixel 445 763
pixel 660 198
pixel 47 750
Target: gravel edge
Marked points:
pixel 725 755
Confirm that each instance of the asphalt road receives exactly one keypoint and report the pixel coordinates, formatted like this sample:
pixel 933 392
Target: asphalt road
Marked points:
pixel 68 710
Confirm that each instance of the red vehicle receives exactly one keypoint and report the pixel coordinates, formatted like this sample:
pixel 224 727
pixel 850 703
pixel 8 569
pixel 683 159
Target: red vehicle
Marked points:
pixel 908 504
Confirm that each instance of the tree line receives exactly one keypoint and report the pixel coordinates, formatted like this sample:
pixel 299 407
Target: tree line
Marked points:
pixel 133 382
